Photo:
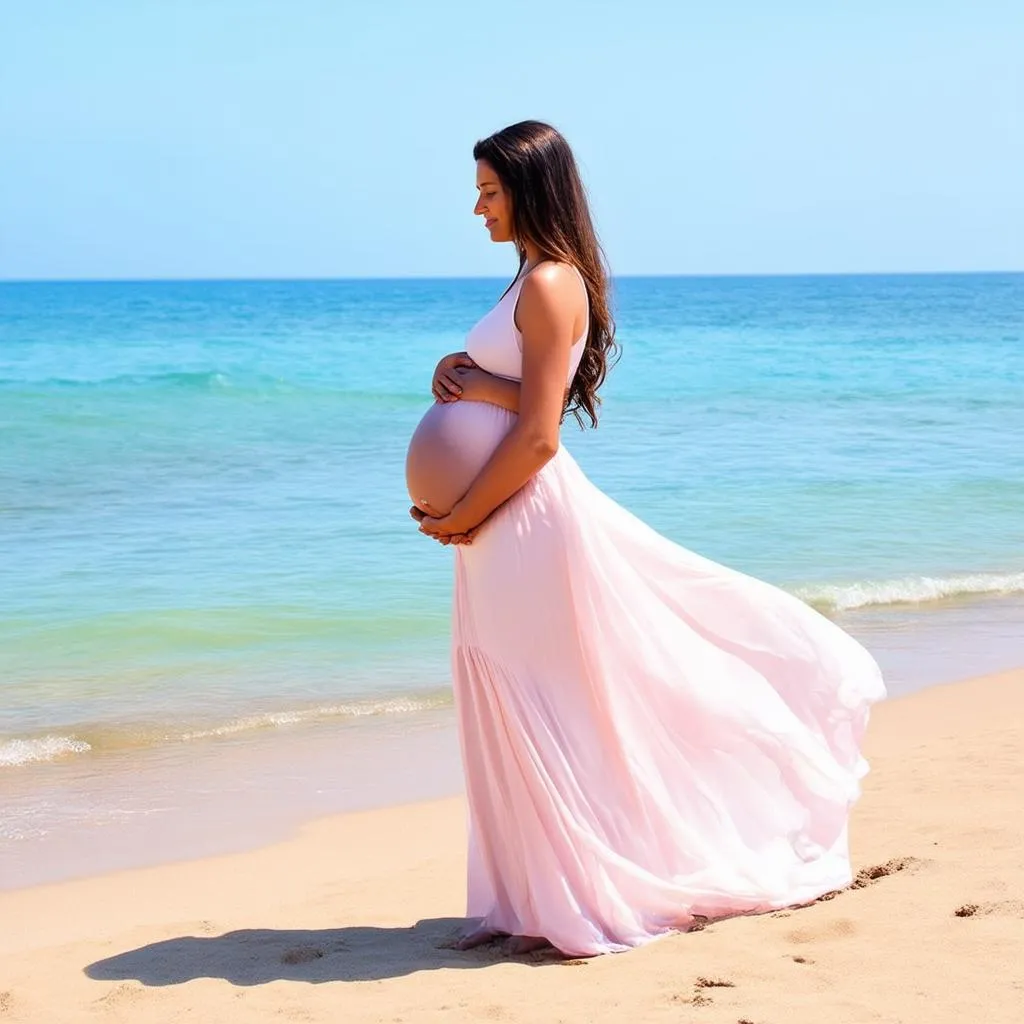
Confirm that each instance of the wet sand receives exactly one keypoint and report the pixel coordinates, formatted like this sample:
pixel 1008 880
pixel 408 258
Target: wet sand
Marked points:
pixel 135 807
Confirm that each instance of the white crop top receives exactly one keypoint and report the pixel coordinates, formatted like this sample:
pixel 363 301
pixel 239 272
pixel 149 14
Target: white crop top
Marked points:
pixel 496 345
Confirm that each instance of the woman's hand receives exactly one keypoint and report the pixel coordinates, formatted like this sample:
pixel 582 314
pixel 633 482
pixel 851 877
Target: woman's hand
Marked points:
pixel 438 525
pixel 448 528
pixel 458 376
pixel 476 385
pixel 446 386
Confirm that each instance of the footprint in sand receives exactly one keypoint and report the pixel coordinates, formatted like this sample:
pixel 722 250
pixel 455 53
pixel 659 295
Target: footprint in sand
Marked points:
pixel 1002 908
pixel 126 992
pixel 865 877
pixel 700 987
pixel 6 1002
pixel 868 875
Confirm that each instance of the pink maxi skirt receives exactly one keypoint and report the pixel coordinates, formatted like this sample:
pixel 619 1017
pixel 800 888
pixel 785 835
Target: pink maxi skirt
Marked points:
pixel 647 735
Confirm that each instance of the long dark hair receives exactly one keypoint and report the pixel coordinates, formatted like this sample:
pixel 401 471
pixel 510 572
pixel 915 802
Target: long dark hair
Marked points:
pixel 549 209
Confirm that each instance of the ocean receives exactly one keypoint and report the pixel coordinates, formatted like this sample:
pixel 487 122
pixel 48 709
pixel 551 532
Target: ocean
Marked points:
pixel 206 554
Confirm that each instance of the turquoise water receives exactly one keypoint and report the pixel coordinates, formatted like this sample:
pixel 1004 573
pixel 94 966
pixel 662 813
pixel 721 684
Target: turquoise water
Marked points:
pixel 203 520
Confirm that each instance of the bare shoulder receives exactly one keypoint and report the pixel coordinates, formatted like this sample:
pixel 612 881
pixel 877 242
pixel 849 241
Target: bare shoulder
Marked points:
pixel 550 290
pixel 552 278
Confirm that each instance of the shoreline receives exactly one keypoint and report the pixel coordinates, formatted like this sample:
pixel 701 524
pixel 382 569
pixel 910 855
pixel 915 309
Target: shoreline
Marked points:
pixel 144 806
pixel 239 794
pixel 370 900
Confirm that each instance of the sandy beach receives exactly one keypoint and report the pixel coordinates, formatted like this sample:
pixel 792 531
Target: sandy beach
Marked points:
pixel 352 917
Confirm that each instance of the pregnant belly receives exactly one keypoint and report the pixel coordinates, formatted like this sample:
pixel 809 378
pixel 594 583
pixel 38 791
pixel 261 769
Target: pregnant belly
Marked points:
pixel 448 449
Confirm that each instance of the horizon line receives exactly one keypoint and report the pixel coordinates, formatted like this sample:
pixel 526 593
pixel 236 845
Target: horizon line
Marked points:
pixel 494 277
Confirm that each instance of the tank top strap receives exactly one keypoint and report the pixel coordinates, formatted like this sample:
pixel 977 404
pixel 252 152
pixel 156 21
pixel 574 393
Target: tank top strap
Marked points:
pixel 586 299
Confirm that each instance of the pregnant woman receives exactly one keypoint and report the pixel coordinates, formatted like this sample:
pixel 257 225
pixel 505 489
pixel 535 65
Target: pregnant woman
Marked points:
pixel 649 737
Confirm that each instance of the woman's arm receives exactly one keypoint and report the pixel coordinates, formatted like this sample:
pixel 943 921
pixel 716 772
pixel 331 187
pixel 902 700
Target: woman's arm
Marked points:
pixel 545 313
pixel 478 385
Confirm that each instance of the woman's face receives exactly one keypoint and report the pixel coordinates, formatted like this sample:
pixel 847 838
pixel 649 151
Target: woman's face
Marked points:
pixel 493 203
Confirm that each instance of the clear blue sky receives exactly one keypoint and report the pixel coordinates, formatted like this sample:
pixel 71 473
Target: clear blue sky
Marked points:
pixel 242 138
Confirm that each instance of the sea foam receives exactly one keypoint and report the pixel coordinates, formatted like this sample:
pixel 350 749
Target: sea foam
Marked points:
pixel 20 751
pixel 353 709
pixel 910 590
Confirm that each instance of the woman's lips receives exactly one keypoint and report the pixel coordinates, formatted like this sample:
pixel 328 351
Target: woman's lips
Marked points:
pixel 488 223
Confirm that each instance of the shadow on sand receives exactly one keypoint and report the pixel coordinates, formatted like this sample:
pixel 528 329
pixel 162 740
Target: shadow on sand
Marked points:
pixel 252 956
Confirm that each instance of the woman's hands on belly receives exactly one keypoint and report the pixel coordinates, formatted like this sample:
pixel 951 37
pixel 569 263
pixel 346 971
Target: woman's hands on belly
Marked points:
pixel 474 384
pixel 447 451
pixel 477 385
pixel 458 377
pixel 451 444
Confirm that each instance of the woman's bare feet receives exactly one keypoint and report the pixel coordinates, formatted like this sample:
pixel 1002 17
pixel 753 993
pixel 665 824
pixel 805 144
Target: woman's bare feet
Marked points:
pixel 477 937
pixel 516 945
pixel 520 944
